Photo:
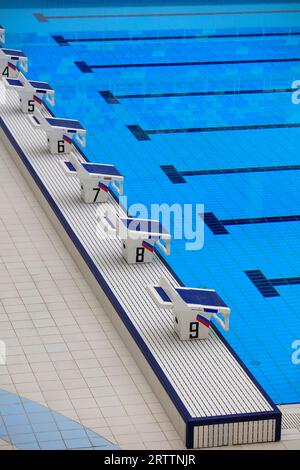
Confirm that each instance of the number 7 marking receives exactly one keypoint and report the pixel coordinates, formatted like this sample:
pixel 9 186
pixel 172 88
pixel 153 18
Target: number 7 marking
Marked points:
pixel 97 193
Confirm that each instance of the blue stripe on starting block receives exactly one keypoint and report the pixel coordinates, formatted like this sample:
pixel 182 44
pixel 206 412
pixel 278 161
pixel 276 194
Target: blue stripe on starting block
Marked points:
pixel 37 99
pixel 67 139
pixel 148 246
pixel 204 321
pixel 103 186
pixel 12 66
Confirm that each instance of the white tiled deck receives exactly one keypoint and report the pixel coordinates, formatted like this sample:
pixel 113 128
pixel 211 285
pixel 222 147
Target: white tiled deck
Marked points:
pixel 63 351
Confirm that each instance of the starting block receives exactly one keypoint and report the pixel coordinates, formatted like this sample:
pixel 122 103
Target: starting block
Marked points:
pixel 10 61
pixel 61 133
pixel 138 236
pixel 31 93
pixel 94 178
pixel 192 309
pixel 2 35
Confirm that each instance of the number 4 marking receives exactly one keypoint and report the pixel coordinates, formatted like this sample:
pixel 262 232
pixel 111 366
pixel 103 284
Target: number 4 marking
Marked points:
pixel 5 72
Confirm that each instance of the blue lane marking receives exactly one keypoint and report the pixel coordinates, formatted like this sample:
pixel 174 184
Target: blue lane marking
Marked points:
pixel 30 426
pixel 177 176
pixel 266 286
pixel 43 18
pixel 218 226
pixel 141 134
pixel 110 98
pixel 215 225
pixel 85 68
pixel 62 41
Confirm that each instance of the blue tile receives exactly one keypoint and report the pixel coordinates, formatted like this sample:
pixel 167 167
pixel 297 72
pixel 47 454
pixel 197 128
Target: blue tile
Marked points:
pixel 52 445
pixel 12 409
pixel 15 420
pixel 77 443
pixel 44 427
pixel 48 436
pixel 74 434
pixel 64 424
pixel 9 399
pixel 24 439
pixel 31 407
pixel 41 418
pixel 98 441
pixel 19 429
pixel 29 446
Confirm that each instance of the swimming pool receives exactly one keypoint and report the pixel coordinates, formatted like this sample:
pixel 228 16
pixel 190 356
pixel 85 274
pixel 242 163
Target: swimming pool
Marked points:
pixel 231 72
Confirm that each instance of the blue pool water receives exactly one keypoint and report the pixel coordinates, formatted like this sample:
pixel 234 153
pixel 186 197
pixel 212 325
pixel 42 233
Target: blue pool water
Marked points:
pixel 254 266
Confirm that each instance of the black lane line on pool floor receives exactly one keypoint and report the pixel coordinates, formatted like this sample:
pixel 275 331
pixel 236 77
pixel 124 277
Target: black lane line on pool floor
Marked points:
pixel 217 226
pixel 43 18
pixel 143 135
pixel 266 286
pixel 110 98
pixel 62 41
pixel 177 177
pixel 88 68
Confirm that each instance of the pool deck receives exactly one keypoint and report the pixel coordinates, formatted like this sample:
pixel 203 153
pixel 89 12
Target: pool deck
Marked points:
pixel 63 350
